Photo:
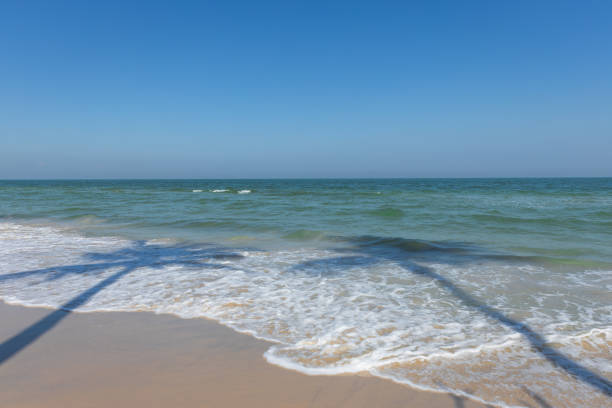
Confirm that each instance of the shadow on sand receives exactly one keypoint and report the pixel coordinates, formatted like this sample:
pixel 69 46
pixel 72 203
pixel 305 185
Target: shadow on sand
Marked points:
pixel 126 260
pixel 361 250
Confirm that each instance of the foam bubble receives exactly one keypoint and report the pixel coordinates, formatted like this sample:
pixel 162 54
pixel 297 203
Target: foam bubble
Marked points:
pixel 345 311
pixel 244 191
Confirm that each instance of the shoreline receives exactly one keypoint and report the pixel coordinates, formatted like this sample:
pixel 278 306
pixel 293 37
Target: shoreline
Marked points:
pixel 131 359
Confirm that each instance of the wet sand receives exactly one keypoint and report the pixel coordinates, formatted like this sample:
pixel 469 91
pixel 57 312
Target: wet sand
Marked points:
pixel 146 360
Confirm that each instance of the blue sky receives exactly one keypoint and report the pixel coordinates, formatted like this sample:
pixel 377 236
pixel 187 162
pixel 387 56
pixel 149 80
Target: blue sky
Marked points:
pixel 305 89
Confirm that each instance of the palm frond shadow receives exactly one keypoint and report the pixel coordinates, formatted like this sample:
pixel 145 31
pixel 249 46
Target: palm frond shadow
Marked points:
pixel 127 260
pixel 361 251
pixel 406 253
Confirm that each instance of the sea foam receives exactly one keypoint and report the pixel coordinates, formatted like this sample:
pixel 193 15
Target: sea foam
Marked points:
pixel 340 311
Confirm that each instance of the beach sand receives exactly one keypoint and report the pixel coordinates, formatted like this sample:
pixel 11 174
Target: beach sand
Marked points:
pixel 146 360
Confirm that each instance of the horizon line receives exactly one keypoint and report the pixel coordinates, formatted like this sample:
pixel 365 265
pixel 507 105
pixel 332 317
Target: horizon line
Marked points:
pixel 301 178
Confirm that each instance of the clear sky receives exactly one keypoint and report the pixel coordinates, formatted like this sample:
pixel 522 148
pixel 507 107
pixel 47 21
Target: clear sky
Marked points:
pixel 256 89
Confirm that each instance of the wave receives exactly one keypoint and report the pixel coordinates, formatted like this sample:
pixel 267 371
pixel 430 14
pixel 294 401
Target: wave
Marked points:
pixel 407 245
pixel 465 252
pixel 305 235
pixel 222 190
pixel 549 221
pixel 86 219
pixel 387 212
pixel 330 193
pixel 345 310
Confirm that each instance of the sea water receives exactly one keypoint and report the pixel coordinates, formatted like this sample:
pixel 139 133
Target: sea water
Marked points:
pixel 495 289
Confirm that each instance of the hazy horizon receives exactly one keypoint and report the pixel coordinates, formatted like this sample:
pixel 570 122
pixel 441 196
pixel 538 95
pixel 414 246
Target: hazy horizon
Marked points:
pixel 302 178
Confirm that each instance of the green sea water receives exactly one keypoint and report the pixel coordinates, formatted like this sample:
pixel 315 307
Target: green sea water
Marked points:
pixel 565 221
pixel 495 289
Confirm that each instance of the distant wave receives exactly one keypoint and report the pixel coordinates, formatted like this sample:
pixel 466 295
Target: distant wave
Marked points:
pixel 387 212
pixel 305 235
pixel 224 190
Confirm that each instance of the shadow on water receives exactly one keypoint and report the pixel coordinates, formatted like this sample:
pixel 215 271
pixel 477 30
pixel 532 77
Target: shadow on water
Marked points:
pixel 404 253
pixel 127 260
pixel 360 251
pixel 538 343
pixel 332 267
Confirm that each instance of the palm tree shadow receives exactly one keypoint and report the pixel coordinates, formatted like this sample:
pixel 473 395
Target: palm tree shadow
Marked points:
pixel 128 260
pixel 537 342
pixel 401 252
pixel 539 399
pixel 457 400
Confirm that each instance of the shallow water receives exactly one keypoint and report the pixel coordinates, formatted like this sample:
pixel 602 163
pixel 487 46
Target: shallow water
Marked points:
pixel 487 288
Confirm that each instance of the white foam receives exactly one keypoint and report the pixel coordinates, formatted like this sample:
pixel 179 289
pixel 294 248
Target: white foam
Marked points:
pixel 219 191
pixel 334 312
pixel 244 191
pixel 196 191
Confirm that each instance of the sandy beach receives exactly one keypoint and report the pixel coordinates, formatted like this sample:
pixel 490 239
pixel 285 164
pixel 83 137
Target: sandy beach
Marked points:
pixel 141 359
pixel 305 204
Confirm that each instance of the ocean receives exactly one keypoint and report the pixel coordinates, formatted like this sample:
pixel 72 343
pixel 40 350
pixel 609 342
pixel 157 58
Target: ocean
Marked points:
pixel 487 288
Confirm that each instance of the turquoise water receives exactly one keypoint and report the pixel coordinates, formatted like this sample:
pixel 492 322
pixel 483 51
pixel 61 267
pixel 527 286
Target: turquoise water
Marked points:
pixel 561 219
pixel 428 282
